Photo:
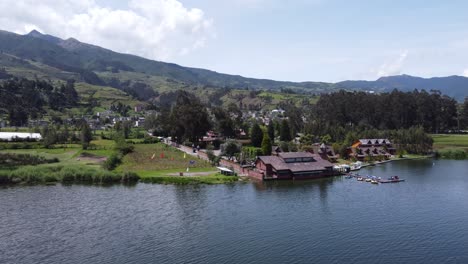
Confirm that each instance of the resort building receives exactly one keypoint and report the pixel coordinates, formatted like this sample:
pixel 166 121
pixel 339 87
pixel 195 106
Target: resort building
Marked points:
pixel 373 148
pixel 325 151
pixel 293 165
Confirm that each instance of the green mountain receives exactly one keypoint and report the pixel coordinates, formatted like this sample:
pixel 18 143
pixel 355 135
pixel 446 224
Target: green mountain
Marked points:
pixel 36 55
pixel 99 66
pixel 453 86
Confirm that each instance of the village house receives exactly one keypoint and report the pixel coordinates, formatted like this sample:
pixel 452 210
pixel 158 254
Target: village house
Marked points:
pixel 38 123
pixel 104 114
pixel 140 122
pixel 211 136
pixel 293 165
pixel 374 148
pixel 138 108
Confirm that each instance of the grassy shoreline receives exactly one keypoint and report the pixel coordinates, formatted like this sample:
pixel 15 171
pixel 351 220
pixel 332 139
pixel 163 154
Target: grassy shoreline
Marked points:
pixel 451 146
pixel 63 174
pixel 79 174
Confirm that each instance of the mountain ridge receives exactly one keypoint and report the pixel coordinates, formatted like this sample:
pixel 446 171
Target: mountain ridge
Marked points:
pixel 100 66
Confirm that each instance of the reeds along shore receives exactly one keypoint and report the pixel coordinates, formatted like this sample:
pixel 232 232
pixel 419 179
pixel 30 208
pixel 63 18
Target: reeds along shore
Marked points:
pixel 64 174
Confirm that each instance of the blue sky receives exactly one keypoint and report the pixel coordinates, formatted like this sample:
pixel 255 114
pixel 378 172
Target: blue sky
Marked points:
pixel 315 40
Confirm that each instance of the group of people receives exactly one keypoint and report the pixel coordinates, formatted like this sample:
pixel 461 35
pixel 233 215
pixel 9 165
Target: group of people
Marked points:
pixel 195 149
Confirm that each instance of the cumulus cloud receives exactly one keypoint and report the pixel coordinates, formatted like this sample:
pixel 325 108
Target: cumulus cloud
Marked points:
pixel 393 67
pixel 465 73
pixel 157 29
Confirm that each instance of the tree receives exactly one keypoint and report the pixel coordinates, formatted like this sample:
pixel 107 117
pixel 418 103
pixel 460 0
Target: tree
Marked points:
pixel 230 148
pixel 85 135
pixel 123 128
pixel 285 131
pixel 326 139
pixel 189 118
pixel 256 135
pixel 211 156
pixel 271 132
pixel 464 115
pixel 49 137
pixel 70 94
pixel 223 122
pixel 122 146
pixel 266 145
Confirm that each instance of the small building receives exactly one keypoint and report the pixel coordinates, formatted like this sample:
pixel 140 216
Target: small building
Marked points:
pixel 17 136
pixel 325 151
pixel 140 122
pixel 38 123
pixel 138 108
pixel 225 171
pixel 373 148
pixel 211 136
pixel 294 165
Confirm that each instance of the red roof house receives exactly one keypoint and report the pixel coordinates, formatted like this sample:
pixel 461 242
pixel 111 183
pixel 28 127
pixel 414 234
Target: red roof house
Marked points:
pixel 293 165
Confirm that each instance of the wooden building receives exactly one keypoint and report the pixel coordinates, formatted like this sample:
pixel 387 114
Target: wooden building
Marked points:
pixel 374 148
pixel 293 165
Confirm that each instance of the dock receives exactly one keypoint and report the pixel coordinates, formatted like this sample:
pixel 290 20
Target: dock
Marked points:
pixel 376 180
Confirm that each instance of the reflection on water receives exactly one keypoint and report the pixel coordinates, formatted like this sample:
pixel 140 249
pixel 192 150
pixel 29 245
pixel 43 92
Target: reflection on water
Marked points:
pixel 333 220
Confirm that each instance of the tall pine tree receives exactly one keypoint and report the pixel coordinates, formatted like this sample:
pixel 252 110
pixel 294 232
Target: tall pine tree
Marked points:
pixel 256 135
pixel 266 145
pixel 285 131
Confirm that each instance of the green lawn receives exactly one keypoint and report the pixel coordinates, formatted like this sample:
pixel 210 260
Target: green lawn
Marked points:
pixel 157 169
pixel 450 142
pixel 72 154
pixel 141 160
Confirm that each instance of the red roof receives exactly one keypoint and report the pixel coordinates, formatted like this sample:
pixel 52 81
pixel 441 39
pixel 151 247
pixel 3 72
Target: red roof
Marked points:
pixel 278 163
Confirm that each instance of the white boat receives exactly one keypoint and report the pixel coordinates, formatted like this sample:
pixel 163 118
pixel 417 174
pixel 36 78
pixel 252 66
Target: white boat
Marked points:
pixel 356 166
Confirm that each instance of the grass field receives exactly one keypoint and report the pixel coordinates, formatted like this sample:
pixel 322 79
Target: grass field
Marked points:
pixel 447 141
pixel 72 154
pixel 164 169
pixel 141 159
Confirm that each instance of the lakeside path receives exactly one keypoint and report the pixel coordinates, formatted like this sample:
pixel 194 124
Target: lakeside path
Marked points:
pixel 202 155
pixel 189 151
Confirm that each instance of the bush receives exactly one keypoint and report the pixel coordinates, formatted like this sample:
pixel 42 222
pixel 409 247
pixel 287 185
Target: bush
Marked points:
pixel 12 159
pixel 112 162
pixel 456 154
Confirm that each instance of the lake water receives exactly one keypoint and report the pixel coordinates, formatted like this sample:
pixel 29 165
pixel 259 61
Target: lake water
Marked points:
pixel 336 220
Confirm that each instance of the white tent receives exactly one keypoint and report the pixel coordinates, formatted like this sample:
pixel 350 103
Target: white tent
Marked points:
pixel 9 136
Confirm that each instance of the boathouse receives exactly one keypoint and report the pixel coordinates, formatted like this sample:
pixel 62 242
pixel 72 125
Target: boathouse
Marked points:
pixel 293 165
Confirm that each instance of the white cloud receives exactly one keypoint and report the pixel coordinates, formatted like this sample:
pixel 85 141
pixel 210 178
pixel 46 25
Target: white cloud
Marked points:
pixel 465 73
pixel 157 29
pixel 393 67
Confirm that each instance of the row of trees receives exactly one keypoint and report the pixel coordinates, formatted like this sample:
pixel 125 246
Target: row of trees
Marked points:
pixel 64 135
pixel 21 99
pixel 432 111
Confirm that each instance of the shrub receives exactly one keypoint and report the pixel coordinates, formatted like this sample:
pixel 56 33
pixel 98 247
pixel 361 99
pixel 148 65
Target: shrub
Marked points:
pixel 112 162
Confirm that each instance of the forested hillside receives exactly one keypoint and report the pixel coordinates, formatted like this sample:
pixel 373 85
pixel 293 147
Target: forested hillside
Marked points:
pixel 23 99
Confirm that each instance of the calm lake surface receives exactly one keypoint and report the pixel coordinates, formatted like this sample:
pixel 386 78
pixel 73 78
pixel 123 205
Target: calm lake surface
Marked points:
pixel 337 220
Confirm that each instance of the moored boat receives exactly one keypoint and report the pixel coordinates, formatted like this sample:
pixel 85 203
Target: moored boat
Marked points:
pixel 392 179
